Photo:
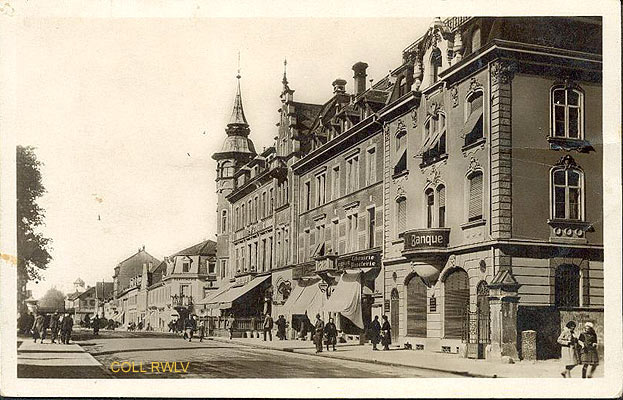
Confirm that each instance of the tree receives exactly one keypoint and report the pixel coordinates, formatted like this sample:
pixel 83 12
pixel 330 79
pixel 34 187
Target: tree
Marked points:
pixel 32 247
pixel 53 299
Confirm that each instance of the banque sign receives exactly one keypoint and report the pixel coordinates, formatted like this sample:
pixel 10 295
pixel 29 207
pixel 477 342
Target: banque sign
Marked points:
pixel 427 239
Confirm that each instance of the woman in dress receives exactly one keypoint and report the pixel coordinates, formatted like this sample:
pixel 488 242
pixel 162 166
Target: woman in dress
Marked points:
pixel 386 332
pixel 568 341
pixel 588 351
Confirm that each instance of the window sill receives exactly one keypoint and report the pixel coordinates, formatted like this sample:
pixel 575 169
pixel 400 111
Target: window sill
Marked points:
pixel 282 207
pixel 473 224
pixel 568 144
pixel 477 143
pixel 434 160
pixel 399 174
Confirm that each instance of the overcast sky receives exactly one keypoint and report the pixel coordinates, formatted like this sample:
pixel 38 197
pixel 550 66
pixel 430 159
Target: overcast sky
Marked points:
pixel 125 115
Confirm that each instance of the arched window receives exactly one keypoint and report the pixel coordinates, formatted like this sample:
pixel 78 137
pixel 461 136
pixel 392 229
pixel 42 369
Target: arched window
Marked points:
pixel 441 206
pixel 473 129
pixel 435 64
pixel 401 215
pixel 567 194
pixel 430 207
pixel 416 307
pixel 567 286
pixel 224 221
pixel 567 120
pixel 474 199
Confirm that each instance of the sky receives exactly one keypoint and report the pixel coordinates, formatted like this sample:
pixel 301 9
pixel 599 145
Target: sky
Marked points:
pixel 126 113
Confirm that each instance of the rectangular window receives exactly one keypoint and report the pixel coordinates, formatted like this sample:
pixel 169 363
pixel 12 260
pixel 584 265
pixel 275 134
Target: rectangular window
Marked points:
pixel 185 266
pixel 307 196
pixel 255 209
pixel 441 200
pixel 286 247
pixel 401 215
pixel 475 197
pixel 430 204
pixel 334 236
pixel 211 268
pixel 351 243
pixel 371 227
pixel 352 174
pixel 335 182
pixel 371 167
pixel 271 204
pixel 321 189
pixel 223 268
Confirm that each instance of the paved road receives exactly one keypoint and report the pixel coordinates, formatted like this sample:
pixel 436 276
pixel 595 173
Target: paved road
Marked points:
pixel 211 359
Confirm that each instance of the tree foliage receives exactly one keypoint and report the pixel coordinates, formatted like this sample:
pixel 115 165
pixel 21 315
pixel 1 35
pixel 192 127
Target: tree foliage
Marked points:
pixel 32 247
pixel 53 299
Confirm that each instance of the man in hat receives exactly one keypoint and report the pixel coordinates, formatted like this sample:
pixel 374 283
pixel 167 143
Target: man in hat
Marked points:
pixel 38 326
pixel 55 325
pixel 268 327
pixel 66 326
pixel 318 333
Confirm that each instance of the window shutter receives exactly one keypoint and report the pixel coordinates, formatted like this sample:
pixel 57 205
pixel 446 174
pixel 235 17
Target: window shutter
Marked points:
pixel 402 215
pixel 475 197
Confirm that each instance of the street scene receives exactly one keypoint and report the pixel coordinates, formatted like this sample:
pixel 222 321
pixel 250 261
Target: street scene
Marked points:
pixel 273 219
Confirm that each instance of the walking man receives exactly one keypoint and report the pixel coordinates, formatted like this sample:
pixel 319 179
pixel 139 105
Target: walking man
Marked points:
pixel 202 329
pixel 375 332
pixel 318 333
pixel 66 326
pixel 189 326
pixel 281 327
pixel 37 326
pixel 230 325
pixel 268 327
pixel 96 325
pixel 55 326
pixel 330 333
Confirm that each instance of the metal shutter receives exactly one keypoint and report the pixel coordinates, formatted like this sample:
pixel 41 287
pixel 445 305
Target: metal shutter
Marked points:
pixel 456 298
pixel 416 307
pixel 475 197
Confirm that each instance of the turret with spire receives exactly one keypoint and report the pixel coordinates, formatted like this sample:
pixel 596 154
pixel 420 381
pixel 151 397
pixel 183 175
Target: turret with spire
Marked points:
pixel 236 151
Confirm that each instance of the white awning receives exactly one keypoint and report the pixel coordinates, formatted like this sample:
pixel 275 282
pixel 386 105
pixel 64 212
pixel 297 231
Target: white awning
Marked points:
pixel 306 297
pixel 346 298
pixel 225 299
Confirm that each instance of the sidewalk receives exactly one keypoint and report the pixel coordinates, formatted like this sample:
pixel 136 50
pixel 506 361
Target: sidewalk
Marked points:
pixel 433 361
pixel 47 360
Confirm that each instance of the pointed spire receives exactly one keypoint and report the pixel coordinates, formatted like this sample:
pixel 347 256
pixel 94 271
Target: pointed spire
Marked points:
pixel 237 115
pixel 285 79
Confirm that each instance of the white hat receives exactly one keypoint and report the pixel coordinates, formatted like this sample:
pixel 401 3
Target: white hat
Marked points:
pixel 589 325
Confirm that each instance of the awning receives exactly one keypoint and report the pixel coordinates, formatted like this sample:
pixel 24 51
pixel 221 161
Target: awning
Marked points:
pixel 305 297
pixel 346 298
pixel 471 122
pixel 118 317
pixel 213 295
pixel 225 300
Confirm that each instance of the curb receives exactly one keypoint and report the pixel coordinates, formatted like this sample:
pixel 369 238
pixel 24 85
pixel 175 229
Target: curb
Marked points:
pixel 354 359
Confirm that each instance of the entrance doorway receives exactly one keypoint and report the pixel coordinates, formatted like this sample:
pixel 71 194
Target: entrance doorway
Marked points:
pixel 416 307
pixel 395 315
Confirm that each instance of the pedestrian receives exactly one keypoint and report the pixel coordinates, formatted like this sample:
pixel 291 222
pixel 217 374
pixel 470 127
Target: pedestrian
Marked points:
pixel 268 327
pixel 330 333
pixel 281 327
pixel 189 327
pixel 386 329
pixel 202 329
pixel 318 333
pixel 46 325
pixel 569 354
pixel 37 326
pixel 67 325
pixel 231 322
pixel 588 350
pixel 96 325
pixel 375 332
pixel 172 325
pixel 140 325
pixel 55 326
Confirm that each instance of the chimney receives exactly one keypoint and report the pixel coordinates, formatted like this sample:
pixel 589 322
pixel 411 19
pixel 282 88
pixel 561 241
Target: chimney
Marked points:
pixel 339 86
pixel 360 77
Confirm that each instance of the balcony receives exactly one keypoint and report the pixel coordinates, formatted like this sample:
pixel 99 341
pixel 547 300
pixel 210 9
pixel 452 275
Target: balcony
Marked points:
pixel 181 300
pixel 325 263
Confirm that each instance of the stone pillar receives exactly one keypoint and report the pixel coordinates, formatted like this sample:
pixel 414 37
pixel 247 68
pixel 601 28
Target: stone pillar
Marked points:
pixel 528 345
pixel 503 301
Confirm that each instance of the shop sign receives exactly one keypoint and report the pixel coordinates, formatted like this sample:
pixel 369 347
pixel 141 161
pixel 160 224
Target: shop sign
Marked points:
pixel 426 238
pixel 359 261
pixel 307 269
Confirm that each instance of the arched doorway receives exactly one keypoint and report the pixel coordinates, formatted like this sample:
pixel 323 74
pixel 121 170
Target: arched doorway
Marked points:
pixel 395 314
pixel 456 303
pixel 416 307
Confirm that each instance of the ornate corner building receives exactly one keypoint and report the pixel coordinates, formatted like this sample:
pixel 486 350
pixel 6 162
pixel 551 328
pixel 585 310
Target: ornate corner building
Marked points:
pixel 461 194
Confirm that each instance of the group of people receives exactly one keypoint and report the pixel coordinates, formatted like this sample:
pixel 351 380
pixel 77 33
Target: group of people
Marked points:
pixel 380 333
pixel 578 349
pixel 326 333
pixel 57 325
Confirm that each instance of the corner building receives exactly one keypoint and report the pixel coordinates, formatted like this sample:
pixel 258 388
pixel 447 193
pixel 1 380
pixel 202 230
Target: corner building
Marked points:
pixel 493 183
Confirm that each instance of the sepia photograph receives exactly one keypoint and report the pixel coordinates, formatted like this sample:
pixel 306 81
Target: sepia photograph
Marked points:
pixel 289 199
